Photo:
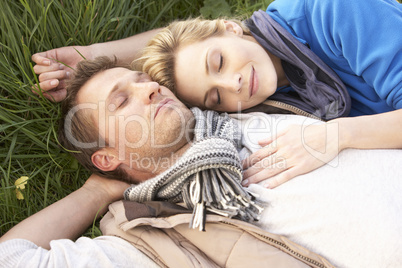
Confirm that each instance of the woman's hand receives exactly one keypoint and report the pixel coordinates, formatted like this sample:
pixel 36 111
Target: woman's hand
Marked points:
pixel 55 66
pixel 296 150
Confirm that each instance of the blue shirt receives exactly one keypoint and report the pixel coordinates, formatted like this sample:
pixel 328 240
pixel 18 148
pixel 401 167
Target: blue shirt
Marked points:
pixel 361 40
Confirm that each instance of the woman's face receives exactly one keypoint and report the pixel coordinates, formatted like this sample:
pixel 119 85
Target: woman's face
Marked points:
pixel 227 73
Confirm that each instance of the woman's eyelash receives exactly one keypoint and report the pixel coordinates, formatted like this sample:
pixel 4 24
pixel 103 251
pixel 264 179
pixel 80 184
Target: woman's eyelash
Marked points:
pixel 220 63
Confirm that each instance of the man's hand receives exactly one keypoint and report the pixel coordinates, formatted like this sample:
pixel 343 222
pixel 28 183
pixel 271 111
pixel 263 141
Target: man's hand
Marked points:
pixel 50 65
pixel 294 151
pixel 55 66
pixel 112 190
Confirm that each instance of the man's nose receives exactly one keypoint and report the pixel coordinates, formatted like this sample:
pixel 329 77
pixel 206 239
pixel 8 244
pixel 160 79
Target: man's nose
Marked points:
pixel 147 91
pixel 233 83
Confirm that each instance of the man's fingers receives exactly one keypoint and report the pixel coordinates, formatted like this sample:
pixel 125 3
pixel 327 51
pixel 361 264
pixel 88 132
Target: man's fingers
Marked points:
pixel 53 95
pixel 40 58
pixel 39 69
pixel 54 90
pixel 46 85
pixel 60 74
pixel 56 96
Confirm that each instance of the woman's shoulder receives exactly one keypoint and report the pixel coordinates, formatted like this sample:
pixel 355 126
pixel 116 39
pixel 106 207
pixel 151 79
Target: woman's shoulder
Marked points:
pixel 295 10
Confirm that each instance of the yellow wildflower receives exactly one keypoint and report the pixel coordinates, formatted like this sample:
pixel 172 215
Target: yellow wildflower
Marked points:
pixel 20 184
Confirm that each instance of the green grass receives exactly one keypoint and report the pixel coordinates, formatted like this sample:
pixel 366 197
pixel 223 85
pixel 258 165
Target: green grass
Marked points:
pixel 28 123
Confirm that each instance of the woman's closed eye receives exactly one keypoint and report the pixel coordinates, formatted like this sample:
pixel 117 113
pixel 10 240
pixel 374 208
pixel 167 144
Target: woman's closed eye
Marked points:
pixel 215 97
pixel 220 63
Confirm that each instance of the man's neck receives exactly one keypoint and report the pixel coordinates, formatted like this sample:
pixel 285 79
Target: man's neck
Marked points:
pixel 157 165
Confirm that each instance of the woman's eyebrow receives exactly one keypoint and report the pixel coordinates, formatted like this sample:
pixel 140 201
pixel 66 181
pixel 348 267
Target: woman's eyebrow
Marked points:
pixel 206 98
pixel 206 61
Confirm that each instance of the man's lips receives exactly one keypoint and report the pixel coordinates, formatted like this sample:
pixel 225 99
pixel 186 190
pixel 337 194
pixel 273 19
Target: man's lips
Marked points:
pixel 253 82
pixel 161 104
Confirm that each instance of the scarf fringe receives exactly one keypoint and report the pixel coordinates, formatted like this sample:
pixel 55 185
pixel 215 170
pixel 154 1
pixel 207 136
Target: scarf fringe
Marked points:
pixel 217 191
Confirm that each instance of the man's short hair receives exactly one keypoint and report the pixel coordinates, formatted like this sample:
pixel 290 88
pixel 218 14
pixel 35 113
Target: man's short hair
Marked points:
pixel 81 128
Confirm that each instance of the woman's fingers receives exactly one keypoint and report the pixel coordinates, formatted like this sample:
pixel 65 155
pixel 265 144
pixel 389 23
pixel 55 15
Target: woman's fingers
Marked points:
pixel 263 171
pixel 265 142
pixel 263 163
pixel 258 156
pixel 299 150
pixel 280 178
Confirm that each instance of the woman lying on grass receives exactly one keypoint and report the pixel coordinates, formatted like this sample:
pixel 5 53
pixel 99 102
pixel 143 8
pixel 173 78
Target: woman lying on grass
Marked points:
pixel 283 54
pixel 228 69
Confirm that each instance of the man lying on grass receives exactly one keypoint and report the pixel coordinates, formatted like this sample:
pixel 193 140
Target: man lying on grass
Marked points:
pixel 130 128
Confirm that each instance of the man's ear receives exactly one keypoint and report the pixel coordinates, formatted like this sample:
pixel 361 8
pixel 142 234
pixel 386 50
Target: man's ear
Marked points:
pixel 233 27
pixel 105 160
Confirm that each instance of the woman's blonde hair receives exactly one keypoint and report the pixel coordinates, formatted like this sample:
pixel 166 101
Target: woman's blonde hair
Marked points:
pixel 158 58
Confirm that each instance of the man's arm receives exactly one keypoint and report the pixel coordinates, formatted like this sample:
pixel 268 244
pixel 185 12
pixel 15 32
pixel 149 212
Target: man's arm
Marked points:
pixel 69 217
pixel 53 74
pixel 126 50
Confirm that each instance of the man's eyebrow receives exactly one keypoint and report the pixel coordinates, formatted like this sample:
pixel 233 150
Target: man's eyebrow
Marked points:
pixel 111 93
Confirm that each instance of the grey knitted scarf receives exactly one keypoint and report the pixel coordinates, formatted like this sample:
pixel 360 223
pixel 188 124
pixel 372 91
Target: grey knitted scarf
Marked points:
pixel 207 177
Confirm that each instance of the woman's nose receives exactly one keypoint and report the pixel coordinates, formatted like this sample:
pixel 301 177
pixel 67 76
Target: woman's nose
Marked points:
pixel 233 83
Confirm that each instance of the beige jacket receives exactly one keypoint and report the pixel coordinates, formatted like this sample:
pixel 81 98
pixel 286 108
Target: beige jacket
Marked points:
pixel 161 231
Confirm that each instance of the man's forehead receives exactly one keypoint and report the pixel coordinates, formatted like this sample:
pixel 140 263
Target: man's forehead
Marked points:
pixel 98 87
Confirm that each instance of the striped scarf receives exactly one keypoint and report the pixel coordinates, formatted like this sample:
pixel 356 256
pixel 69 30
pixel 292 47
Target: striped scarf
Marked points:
pixel 207 177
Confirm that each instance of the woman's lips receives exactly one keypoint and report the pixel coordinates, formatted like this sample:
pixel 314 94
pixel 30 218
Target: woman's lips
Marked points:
pixel 161 105
pixel 253 82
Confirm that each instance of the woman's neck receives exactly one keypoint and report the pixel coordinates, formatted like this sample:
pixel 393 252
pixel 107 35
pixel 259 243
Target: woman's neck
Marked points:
pixel 282 79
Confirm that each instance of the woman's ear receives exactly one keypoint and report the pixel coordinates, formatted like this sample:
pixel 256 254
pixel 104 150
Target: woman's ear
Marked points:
pixel 233 27
pixel 105 160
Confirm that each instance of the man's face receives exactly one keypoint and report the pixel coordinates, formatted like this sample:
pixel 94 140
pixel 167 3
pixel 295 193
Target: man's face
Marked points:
pixel 142 123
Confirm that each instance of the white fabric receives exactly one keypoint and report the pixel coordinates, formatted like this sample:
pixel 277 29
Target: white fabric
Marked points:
pixel 348 211
pixel 101 252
